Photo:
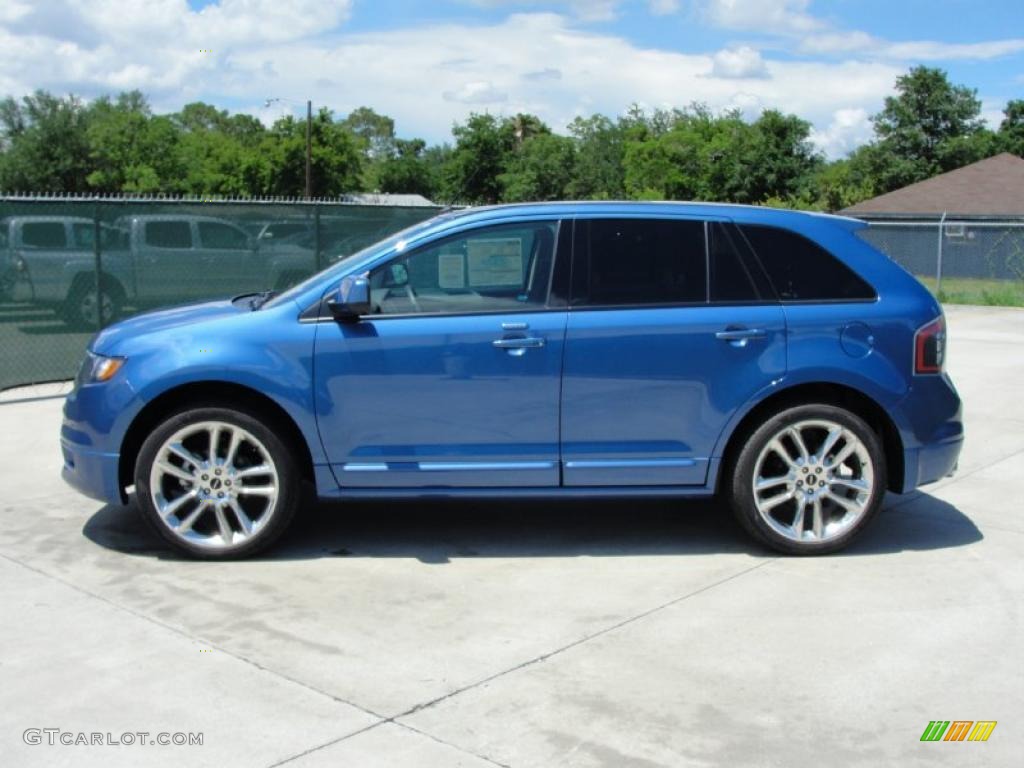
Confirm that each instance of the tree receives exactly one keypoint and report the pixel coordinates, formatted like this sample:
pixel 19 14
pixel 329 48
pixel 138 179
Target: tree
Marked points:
pixel 1011 129
pixel 482 146
pixel 44 143
pixel 929 127
pixel 408 170
pixel 541 169
pixel 336 159
pixel 598 172
pixel 131 150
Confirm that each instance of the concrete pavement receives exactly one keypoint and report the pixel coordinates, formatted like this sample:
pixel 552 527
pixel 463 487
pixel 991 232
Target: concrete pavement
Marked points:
pixel 528 634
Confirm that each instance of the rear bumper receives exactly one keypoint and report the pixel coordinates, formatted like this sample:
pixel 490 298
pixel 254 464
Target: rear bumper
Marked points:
pixel 92 473
pixel 931 463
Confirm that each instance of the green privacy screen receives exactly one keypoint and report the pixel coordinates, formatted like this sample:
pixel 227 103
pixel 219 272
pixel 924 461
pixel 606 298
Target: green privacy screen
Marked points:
pixel 69 266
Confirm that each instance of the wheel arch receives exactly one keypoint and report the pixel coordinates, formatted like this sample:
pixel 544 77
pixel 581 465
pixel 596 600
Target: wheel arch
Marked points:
pixel 828 393
pixel 223 393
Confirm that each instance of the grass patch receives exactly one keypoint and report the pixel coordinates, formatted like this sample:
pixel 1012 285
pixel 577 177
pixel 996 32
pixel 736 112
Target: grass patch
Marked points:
pixel 969 290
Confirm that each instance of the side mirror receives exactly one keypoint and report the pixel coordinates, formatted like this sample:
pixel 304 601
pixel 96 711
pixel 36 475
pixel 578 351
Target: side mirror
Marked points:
pixel 352 300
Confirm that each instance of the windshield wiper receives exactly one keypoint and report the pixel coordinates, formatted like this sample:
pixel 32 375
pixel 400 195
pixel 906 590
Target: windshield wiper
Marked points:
pixel 260 299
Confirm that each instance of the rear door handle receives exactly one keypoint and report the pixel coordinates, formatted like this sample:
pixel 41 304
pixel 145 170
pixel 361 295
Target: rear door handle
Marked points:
pixel 523 343
pixel 741 334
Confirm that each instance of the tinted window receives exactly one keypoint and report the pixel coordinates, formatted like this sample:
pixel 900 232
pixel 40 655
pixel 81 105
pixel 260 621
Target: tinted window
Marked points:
pixel 801 270
pixel 640 261
pixel 217 235
pixel 732 273
pixel 44 234
pixel 168 234
pixel 493 269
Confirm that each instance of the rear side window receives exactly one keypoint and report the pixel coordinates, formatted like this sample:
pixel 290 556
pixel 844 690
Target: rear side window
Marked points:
pixel 734 275
pixel 168 234
pixel 640 261
pixel 44 234
pixel 801 270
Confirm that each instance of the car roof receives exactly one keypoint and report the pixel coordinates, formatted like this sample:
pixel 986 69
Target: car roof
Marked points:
pixel 173 217
pixel 749 214
pixel 48 218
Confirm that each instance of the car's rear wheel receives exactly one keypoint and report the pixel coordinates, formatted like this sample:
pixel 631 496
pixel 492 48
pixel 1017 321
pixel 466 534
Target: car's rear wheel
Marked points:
pixel 809 479
pixel 216 483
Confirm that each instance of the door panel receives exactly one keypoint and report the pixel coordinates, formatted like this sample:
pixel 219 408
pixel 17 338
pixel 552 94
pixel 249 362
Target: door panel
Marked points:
pixel 646 392
pixel 434 402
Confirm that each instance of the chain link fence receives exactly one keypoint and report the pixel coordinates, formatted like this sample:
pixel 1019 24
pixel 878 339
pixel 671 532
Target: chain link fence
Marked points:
pixel 69 266
pixel 968 257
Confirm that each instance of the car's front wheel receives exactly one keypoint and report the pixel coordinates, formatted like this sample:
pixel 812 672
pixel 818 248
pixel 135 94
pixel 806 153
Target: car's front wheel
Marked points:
pixel 216 483
pixel 809 479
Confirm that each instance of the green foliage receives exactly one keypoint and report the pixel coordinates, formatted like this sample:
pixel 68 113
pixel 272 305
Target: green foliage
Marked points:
pixel 61 144
pixel 45 144
pixel 929 127
pixel 1011 131
pixel 541 169
pixel 482 146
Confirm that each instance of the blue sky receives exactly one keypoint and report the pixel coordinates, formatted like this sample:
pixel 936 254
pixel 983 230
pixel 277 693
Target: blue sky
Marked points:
pixel 428 64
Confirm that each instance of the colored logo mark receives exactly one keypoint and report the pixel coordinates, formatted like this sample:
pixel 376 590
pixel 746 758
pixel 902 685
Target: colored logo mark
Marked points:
pixel 958 730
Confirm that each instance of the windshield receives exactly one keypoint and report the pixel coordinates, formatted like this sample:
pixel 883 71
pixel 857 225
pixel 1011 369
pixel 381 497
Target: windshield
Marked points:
pixel 339 266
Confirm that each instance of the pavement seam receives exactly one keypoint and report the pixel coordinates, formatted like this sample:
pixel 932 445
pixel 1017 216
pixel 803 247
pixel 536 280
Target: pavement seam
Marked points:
pixel 192 638
pixel 587 638
pixel 522 665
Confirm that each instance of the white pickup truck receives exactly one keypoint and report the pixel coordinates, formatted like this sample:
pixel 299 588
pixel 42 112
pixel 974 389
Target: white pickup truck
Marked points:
pixel 147 260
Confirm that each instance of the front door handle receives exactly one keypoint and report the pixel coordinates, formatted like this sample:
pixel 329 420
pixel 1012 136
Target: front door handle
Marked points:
pixel 530 342
pixel 741 334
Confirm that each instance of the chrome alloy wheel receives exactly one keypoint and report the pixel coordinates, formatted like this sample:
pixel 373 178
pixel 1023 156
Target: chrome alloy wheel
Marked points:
pixel 813 481
pixel 214 485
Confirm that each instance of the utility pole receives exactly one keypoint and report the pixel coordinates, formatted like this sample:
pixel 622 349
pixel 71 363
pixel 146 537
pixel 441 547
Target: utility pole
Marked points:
pixel 309 149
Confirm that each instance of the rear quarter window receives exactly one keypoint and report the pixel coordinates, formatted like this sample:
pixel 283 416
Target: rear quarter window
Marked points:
pixel 801 270
pixel 168 234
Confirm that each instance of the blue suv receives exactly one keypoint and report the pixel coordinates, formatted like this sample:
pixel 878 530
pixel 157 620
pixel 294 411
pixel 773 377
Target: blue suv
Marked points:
pixel 542 350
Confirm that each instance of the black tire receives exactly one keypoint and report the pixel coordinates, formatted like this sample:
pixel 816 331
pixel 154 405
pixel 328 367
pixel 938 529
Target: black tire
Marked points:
pixel 288 480
pixel 743 500
pixel 78 309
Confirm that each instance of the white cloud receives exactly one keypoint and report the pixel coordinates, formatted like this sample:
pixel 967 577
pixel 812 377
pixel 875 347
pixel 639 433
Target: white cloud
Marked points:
pixel 663 7
pixel 585 10
pixel 476 92
pixel 738 63
pixel 775 16
pixel 848 129
pixel 813 35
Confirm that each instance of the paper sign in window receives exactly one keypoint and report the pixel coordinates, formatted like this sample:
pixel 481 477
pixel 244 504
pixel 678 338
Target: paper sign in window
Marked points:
pixel 451 273
pixel 495 262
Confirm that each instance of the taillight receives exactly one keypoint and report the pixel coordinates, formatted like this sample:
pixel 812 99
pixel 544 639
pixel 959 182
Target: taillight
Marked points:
pixel 930 347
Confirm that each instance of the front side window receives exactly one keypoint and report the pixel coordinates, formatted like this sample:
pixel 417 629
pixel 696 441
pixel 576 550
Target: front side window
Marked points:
pixel 639 261
pixel 168 234
pixel 221 236
pixel 801 270
pixel 44 234
pixel 494 269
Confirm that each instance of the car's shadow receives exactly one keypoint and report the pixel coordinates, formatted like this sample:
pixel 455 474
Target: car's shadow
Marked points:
pixel 439 531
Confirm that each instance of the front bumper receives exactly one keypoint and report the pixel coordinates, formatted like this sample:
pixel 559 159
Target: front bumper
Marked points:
pixel 90 472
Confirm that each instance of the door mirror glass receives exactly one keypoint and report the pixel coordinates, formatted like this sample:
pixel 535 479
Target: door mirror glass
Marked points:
pixel 352 299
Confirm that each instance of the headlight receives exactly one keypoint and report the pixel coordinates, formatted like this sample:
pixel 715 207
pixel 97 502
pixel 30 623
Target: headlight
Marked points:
pixel 98 368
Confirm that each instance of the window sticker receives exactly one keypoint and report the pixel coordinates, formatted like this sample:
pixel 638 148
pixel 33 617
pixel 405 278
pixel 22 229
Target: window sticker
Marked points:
pixel 451 273
pixel 495 262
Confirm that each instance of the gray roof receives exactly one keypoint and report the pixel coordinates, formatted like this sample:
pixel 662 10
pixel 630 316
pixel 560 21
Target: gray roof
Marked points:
pixel 990 187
